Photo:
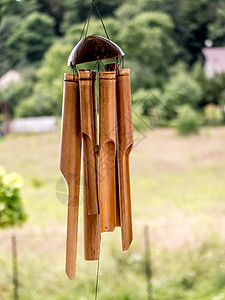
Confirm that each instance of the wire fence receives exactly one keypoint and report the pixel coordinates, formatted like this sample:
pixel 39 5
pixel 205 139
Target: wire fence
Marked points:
pixel 163 263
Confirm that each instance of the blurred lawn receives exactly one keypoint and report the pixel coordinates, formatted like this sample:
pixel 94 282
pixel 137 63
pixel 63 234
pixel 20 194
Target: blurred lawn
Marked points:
pixel 178 187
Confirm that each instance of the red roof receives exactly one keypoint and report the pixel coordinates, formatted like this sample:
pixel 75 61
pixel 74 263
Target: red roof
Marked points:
pixel 216 58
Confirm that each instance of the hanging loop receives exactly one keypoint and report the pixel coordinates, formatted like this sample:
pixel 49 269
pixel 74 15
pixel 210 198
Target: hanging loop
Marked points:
pixel 87 21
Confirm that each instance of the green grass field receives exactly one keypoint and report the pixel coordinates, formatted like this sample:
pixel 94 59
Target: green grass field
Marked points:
pixel 178 190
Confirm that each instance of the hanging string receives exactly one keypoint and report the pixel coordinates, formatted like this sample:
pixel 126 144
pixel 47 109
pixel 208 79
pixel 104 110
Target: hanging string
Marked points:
pixel 95 65
pixel 98 65
pixel 102 63
pixel 73 74
pixel 97 276
pixel 87 21
pixel 122 61
pixel 90 12
pixel 74 68
pixel 88 18
pixel 101 19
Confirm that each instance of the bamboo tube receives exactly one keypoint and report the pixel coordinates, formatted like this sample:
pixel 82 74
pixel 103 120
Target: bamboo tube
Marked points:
pixel 125 140
pixel 88 128
pixel 70 165
pixel 114 67
pixel 107 153
pixel 91 226
pixel 88 135
pixel 94 74
pixel 95 119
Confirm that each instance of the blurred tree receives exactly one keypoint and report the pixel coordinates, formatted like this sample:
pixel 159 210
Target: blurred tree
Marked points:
pixel 217 29
pixel 55 9
pixel 144 76
pixel 17 92
pixel 47 96
pixel 54 64
pixel 15 7
pixel 154 34
pixel 172 8
pixel 6 27
pixel 131 8
pixel 76 11
pixel 192 26
pixel 127 11
pixel 31 38
pixel 181 89
pixel 147 40
pixel 151 5
pixel 74 33
pixel 213 89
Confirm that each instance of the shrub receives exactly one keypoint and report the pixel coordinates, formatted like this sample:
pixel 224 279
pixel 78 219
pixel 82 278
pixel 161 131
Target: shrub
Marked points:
pixel 148 103
pixel 188 121
pixel 11 209
pixel 42 104
pixel 213 114
pixel 181 89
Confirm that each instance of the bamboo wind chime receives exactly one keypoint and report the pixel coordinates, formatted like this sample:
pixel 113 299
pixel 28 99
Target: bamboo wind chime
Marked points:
pixel 106 175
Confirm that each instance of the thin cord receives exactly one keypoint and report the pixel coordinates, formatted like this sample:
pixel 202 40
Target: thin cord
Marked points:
pixel 73 74
pixel 87 21
pixel 122 61
pixel 101 20
pixel 90 12
pixel 98 65
pixel 102 63
pixel 97 275
pixel 95 65
pixel 90 9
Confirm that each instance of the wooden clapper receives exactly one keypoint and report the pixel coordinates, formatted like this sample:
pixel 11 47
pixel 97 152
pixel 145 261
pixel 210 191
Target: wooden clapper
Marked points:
pixel 106 177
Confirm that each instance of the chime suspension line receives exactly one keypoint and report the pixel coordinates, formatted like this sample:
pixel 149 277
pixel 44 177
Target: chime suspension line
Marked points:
pixel 87 21
pixel 97 276
pixel 98 68
pixel 98 265
pixel 103 25
pixel 122 62
pixel 88 18
pixel 74 68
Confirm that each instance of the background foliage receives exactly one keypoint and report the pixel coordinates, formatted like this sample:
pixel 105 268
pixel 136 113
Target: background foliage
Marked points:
pixel 162 40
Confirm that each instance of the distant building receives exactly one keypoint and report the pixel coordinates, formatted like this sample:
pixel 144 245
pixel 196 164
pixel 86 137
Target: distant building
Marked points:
pixel 214 60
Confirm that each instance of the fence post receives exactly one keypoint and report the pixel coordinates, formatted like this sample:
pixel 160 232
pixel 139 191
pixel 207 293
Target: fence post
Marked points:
pixel 148 269
pixel 15 269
